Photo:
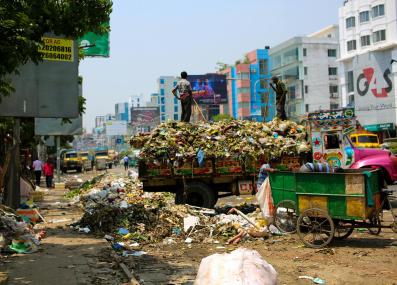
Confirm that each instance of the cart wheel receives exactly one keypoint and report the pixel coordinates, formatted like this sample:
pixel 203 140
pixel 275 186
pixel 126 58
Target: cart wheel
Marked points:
pixel 285 216
pixel 315 228
pixel 343 230
pixel 375 222
pixel 393 227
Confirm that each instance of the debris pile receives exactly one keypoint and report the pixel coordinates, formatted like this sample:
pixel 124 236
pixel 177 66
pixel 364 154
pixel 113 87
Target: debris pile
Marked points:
pixel 118 209
pixel 15 234
pixel 178 140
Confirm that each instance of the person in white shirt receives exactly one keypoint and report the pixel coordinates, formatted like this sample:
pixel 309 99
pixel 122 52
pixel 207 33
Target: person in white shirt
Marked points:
pixel 37 168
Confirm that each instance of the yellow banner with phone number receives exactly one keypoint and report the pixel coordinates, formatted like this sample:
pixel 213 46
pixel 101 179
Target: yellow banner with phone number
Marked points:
pixel 55 49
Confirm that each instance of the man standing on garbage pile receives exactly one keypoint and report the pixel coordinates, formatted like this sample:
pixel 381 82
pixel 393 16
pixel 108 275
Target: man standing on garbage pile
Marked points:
pixel 185 96
pixel 264 170
pixel 126 160
pixel 37 168
pixel 48 170
pixel 281 96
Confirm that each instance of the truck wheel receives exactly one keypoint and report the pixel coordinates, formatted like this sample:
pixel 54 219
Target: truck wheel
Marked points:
pixel 110 166
pixel 200 195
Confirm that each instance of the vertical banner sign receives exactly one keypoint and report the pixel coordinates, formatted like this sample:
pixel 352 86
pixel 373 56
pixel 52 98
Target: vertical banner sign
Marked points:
pixel 56 49
pixel 93 44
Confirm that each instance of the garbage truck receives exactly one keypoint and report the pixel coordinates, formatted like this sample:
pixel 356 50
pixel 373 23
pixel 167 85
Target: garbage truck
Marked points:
pixel 202 185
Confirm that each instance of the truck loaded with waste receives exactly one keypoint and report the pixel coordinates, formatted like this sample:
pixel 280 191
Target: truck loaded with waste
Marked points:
pixel 206 161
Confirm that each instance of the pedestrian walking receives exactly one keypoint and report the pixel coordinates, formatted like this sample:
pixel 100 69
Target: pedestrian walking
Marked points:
pixel 184 89
pixel 126 160
pixel 281 96
pixel 48 171
pixel 37 168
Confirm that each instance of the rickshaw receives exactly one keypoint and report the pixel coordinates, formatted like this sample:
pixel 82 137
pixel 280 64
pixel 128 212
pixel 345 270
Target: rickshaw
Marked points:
pixel 326 206
pixel 321 207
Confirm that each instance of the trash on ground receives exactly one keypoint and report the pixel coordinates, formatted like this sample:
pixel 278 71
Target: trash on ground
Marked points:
pixel 241 266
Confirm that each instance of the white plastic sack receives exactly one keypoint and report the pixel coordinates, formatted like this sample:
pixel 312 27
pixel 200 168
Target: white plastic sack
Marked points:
pixel 265 199
pixel 240 267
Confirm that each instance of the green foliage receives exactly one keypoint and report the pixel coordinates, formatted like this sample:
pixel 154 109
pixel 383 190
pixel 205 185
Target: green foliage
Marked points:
pixel 23 23
pixel 222 117
pixel 220 66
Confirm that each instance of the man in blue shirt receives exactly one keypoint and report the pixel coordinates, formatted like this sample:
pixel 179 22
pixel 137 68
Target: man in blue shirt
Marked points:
pixel 263 172
pixel 126 159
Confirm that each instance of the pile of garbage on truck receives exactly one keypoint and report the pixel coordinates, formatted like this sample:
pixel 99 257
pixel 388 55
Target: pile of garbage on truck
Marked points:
pixel 117 207
pixel 178 140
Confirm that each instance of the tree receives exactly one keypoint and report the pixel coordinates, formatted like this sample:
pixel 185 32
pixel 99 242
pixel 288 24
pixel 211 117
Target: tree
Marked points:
pixel 23 24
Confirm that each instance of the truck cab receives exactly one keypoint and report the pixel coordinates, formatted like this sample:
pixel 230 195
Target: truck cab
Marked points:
pixel 101 159
pixel 365 140
pixel 70 160
pixel 330 133
pixel 86 162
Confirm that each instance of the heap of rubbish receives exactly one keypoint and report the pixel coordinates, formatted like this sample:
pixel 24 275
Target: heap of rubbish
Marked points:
pixel 178 140
pixel 17 234
pixel 118 209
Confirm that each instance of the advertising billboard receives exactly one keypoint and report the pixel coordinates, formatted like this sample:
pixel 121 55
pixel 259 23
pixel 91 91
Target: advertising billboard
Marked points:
pixel 145 116
pixel 374 91
pixel 209 89
pixel 116 128
pixel 50 88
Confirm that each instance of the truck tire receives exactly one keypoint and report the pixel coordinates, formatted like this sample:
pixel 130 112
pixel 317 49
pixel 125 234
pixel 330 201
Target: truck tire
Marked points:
pixel 110 166
pixel 200 195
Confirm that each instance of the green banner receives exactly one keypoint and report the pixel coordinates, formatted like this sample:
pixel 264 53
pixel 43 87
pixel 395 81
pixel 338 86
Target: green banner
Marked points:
pixel 93 44
pixel 379 127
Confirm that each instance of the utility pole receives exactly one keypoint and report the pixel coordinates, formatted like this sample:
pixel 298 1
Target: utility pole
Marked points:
pixel 58 139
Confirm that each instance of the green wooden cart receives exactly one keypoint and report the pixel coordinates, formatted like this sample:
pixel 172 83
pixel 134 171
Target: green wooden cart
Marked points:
pixel 326 206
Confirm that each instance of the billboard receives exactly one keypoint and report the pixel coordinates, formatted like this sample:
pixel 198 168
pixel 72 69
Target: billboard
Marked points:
pixel 209 89
pixel 116 128
pixel 374 88
pixel 145 116
pixel 93 44
pixel 48 89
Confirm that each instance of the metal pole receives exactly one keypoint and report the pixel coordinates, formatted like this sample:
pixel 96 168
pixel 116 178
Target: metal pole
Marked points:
pixel 58 139
pixel 17 176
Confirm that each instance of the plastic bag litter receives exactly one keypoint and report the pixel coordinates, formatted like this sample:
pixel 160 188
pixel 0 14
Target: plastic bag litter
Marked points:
pixel 242 266
pixel 265 199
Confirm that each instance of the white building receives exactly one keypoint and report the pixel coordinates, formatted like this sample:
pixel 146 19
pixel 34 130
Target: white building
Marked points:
pixel 368 44
pixel 170 108
pixel 309 68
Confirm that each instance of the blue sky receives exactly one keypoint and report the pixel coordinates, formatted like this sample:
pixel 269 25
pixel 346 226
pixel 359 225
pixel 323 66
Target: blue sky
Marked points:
pixel 150 38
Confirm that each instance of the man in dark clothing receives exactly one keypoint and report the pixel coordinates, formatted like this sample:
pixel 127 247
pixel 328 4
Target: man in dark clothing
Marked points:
pixel 185 96
pixel 281 95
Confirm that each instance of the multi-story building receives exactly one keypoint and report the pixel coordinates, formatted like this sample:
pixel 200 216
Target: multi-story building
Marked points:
pixel 308 65
pixel 248 88
pixel 368 50
pixel 168 104
pixel 99 121
pixel 121 111
pixel 154 100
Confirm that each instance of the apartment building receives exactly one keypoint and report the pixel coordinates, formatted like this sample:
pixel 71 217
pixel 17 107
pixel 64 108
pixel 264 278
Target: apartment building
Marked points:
pixel 368 46
pixel 308 66
pixel 168 104
pixel 249 97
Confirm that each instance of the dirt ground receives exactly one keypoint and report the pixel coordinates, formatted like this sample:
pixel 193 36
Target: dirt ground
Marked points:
pixel 67 257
